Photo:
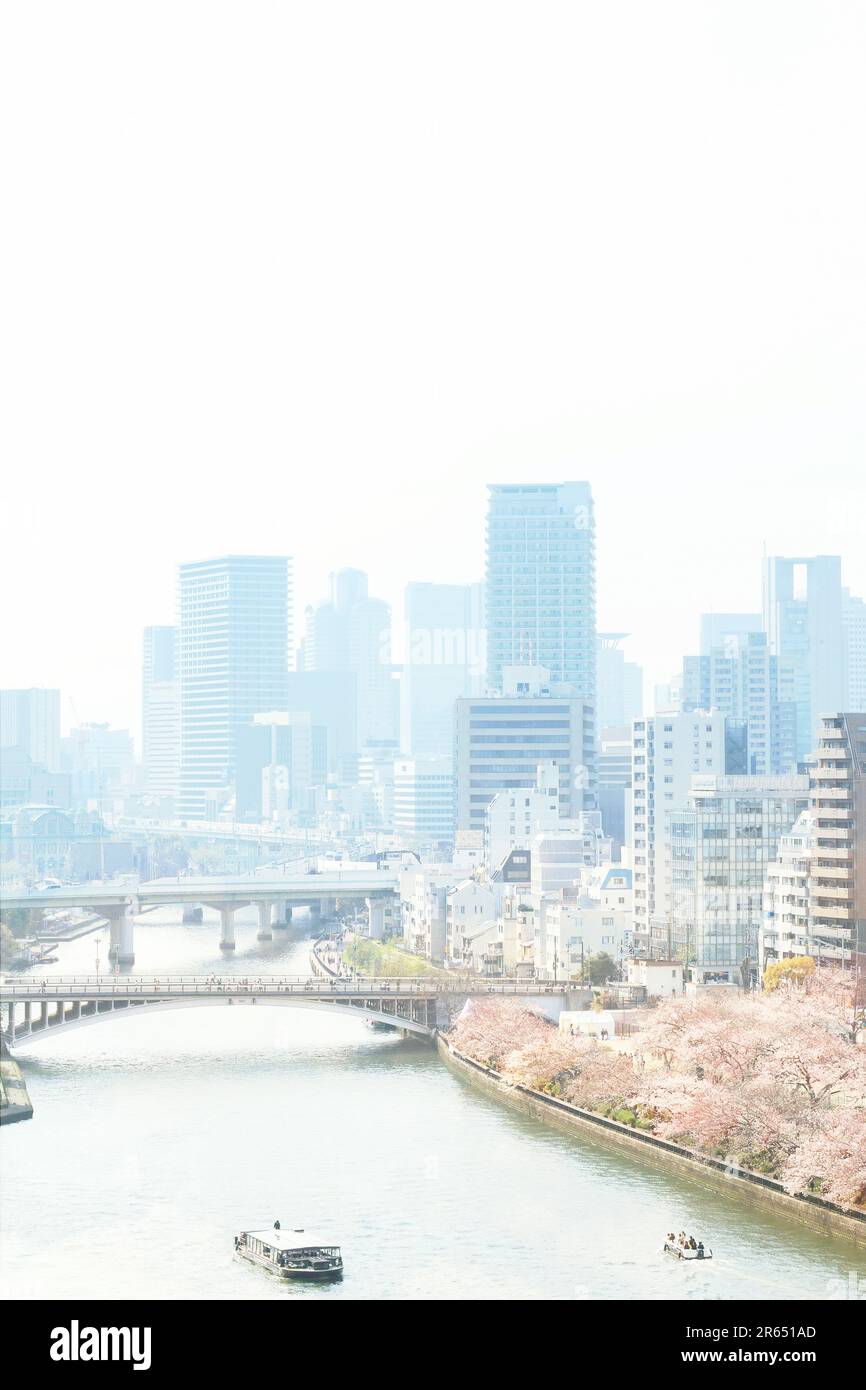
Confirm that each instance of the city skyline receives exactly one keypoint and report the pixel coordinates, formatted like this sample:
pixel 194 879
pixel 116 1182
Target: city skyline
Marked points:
pixel 646 273
pixel 116 700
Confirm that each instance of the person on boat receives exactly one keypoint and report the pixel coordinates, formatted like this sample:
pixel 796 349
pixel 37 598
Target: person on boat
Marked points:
pixel 692 1243
pixel 701 1249
pixel 276 1225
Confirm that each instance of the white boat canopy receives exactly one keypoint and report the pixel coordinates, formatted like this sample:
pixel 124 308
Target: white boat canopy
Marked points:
pixel 288 1239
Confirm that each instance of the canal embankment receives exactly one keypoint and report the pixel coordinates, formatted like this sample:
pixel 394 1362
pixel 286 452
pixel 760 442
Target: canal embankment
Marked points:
pixel 754 1188
pixel 15 1103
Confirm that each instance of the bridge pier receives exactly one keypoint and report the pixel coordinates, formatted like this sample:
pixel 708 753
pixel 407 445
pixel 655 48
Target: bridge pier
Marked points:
pixel 281 915
pixel 121 923
pixel 264 932
pixel 227 927
pixel 376 918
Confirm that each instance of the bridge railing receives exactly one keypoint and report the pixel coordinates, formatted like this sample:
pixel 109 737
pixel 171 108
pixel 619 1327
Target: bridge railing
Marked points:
pixel 80 986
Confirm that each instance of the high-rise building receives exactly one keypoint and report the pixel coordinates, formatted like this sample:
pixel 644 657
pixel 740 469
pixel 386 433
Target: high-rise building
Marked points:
pixel 444 658
pixel 854 650
pixel 30 720
pixel 837 804
pixel 160 711
pixel 740 678
pixel 667 751
pixel 500 740
pixel 614 785
pixel 281 757
pixel 540 593
pixel 234 630
pixel 351 633
pixel 721 845
pixel 803 623
pixel 620 684
pixel 331 700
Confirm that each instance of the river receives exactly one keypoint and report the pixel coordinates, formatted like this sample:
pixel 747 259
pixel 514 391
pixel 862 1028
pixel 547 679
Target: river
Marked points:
pixel 156 1139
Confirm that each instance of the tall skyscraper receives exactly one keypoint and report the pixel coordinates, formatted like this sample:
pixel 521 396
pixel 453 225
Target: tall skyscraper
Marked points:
pixel 854 650
pixel 160 711
pixel 234 627
pixel 541 582
pixel 444 659
pixel 30 720
pixel 803 623
pixel 351 632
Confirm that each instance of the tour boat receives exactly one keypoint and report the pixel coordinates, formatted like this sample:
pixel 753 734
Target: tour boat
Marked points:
pixel 684 1252
pixel 291 1254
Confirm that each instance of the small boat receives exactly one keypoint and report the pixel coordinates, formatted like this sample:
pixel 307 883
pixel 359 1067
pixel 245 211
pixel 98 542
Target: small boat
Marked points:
pixel 684 1252
pixel 376 1027
pixel 290 1254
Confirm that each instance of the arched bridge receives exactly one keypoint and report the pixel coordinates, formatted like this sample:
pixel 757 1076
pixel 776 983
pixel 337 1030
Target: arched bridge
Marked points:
pixel 35 1008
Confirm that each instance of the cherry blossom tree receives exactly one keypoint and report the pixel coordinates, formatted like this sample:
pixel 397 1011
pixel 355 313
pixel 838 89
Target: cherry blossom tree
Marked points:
pixel 833 1157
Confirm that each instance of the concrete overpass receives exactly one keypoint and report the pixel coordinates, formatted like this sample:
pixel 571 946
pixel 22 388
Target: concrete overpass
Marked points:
pixel 35 1008
pixel 319 888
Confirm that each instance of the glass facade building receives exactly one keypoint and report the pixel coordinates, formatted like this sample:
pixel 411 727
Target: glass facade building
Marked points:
pixel 540 594
pixel 234 624
pixel 721 844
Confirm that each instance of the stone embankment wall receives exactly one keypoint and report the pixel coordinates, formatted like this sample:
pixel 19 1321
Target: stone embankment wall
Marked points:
pixel 14 1100
pixel 753 1187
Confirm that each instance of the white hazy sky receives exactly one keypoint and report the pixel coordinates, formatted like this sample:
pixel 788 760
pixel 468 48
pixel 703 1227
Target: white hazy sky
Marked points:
pixel 303 277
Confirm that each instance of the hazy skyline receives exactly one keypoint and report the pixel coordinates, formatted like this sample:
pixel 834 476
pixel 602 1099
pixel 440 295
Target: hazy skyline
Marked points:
pixel 303 280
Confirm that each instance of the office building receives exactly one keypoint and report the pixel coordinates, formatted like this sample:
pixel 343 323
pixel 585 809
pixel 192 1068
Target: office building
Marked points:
pixel 740 678
pixel 30 720
pixel 234 630
pixel 722 843
pixel 444 659
pixel 350 634
pixel 424 800
pixel 854 650
pixel 620 684
pixel 331 700
pixel 500 740
pixel 613 767
pixel 281 759
pixel 160 712
pixel 803 623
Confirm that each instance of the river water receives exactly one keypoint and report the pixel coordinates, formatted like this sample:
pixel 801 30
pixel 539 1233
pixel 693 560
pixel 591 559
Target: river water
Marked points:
pixel 156 1139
